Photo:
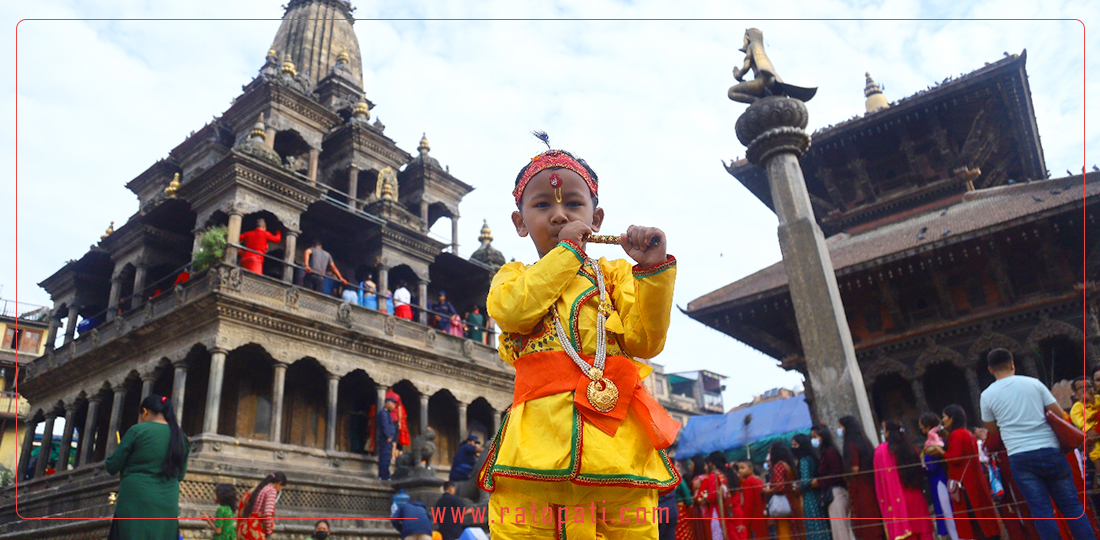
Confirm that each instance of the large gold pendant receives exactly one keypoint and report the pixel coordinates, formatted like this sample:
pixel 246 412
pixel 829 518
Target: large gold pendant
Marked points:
pixel 603 395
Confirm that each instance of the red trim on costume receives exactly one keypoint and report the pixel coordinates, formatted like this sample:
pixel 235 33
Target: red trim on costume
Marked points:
pixel 551 159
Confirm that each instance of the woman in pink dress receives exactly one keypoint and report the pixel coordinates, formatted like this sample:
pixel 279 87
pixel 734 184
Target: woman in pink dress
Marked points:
pixel 456 326
pixel 898 479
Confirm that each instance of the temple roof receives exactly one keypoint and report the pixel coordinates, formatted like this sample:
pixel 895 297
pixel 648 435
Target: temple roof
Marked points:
pixel 314 45
pixel 948 221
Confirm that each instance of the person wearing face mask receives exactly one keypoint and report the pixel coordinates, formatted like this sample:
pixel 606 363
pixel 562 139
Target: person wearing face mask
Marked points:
pixel 817 526
pixel 320 531
pixel 859 466
pixel 830 480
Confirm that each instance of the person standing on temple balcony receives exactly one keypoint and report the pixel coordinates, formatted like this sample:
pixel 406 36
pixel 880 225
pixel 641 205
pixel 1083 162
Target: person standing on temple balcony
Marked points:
pixel 445 311
pixel 385 434
pixel 152 459
pixel 256 240
pixel 475 323
pixel 368 296
pixel 402 299
pixel 1015 405
pixel 317 262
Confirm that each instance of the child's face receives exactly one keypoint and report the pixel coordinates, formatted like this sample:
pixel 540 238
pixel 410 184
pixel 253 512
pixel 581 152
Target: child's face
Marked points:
pixel 542 216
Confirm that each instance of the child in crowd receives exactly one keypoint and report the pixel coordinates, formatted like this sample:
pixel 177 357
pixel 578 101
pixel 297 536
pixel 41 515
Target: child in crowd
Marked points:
pixel 583 436
pixel 223 522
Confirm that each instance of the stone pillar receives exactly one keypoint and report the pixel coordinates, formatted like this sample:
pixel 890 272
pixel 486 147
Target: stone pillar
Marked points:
pixel 138 295
pixel 25 451
pixel 330 425
pixel 454 234
pixel 490 332
pixel 88 435
pixel 383 288
pixel 70 324
pixel 288 256
pixel 314 154
pixel 423 413
pixel 918 394
pixel 233 236
pixel 51 334
pixel 214 391
pixel 112 302
pixel 353 186
pixel 975 393
pixel 772 129
pixel 47 441
pixel 424 215
pixel 179 387
pixel 462 434
pixel 147 381
pixel 116 418
pixel 422 291
pixel 382 396
pixel 269 133
pixel 67 438
pixel 277 402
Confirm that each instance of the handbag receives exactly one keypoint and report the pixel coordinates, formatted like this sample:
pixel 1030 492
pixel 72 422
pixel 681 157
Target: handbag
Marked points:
pixel 779 506
pixel 826 498
pixel 1069 437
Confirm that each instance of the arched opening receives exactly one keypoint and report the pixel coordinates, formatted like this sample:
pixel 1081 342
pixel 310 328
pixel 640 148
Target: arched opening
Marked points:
pixel 194 390
pixel 436 211
pixel 479 420
pixel 272 265
pixel 216 219
pixel 103 425
pixel 443 418
pixel 131 404
pixel 160 278
pixel 1059 358
pixel 356 405
pixel 162 386
pixel 403 275
pixel 945 384
pixel 126 288
pixel 894 399
pixel 79 417
pixel 305 404
pixel 245 410
pixel 410 399
pixel 293 149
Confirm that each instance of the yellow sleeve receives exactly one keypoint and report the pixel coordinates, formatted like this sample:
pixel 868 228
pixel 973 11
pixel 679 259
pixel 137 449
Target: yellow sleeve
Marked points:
pixel 520 296
pixel 643 299
pixel 1077 415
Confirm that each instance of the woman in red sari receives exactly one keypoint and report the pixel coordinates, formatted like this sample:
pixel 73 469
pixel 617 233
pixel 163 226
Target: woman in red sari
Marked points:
pixel 859 458
pixel 684 504
pixel 779 484
pixel 963 467
pixel 256 511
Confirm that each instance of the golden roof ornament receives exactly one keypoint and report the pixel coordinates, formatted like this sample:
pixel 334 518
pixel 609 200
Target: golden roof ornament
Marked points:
pixel 873 92
pixel 386 188
pixel 486 235
pixel 423 148
pixel 343 57
pixel 272 55
pixel 361 110
pixel 288 67
pixel 109 232
pixel 258 133
pixel 170 191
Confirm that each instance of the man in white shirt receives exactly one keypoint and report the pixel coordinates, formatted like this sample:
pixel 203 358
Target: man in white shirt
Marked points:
pixel 1016 406
pixel 401 302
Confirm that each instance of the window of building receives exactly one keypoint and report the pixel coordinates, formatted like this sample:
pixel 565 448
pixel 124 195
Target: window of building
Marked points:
pixel 22 340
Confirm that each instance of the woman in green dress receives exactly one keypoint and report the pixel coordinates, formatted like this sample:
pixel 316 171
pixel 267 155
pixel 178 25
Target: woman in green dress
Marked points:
pixel 152 459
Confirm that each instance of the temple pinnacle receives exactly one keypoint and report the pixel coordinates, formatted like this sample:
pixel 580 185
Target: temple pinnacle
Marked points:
pixel 875 99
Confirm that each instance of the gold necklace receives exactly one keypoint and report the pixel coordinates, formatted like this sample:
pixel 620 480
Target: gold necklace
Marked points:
pixel 602 393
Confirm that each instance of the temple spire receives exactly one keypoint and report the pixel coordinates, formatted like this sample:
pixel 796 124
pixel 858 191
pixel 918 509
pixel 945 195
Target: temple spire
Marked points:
pixel 875 99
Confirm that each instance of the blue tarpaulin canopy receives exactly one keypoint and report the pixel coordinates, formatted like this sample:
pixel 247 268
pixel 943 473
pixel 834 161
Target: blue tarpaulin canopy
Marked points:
pixel 726 432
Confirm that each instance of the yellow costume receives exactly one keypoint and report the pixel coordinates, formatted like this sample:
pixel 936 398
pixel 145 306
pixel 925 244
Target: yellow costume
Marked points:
pixel 553 449
pixel 1086 419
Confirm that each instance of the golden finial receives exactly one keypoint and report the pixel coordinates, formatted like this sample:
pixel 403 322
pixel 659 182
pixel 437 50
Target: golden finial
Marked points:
pixel 423 148
pixel 170 191
pixel 288 67
pixel 362 110
pixel 258 133
pixel 873 92
pixel 486 235
pixel 110 231
pixel 272 55
pixel 343 57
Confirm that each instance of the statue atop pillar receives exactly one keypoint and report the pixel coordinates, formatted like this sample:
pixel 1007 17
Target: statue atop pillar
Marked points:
pixel 766 81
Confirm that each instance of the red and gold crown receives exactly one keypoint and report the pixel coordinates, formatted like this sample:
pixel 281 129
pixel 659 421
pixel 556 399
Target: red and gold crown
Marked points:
pixel 554 159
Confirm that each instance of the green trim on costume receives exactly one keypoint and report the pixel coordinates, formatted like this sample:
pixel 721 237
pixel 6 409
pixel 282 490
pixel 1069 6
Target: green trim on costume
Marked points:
pixel 574 318
pixel 573 248
pixel 641 479
pixel 640 273
pixel 553 474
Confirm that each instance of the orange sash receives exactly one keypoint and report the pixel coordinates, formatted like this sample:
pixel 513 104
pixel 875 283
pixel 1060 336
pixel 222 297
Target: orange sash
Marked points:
pixel 547 373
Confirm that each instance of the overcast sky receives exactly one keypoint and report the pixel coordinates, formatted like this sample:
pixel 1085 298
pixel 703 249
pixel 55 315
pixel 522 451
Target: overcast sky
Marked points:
pixel 643 101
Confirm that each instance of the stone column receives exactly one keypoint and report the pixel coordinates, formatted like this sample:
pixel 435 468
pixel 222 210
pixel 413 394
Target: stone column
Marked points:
pixel 116 418
pixel 314 154
pixel 383 288
pixel 277 402
pixel 422 291
pixel 138 296
pixel 233 236
pixel 28 446
pixel 424 215
pixel 462 434
pixel 179 387
pixel 454 234
pixel 51 334
pixel 382 396
pixel 88 435
pixel 214 391
pixel 330 425
pixel 773 130
pixel 353 186
pixel 112 302
pixel 288 256
pixel 67 438
pixel 147 381
pixel 70 324
pixel 269 132
pixel 975 392
pixel 423 413
pixel 918 394
pixel 490 332
pixel 47 443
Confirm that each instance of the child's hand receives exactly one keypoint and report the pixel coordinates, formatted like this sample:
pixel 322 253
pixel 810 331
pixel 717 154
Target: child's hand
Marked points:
pixel 636 241
pixel 575 231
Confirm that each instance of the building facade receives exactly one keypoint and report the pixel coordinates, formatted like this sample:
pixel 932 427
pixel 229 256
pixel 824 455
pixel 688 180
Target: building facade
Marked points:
pixel 265 373
pixel 25 329
pixel 948 238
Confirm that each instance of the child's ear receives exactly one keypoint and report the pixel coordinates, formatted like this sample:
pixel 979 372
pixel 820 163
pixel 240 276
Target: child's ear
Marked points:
pixel 597 219
pixel 521 227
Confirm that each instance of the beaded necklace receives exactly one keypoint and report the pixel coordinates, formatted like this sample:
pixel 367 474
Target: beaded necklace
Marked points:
pixel 602 393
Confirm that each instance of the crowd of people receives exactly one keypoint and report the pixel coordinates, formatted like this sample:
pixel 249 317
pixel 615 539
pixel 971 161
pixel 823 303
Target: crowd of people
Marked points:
pixel 1009 479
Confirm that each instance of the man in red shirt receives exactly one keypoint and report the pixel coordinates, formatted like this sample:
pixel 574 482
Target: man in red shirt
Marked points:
pixel 256 240
pixel 751 487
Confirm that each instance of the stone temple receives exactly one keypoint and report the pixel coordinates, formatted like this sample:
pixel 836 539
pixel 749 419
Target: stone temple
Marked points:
pixel 266 375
